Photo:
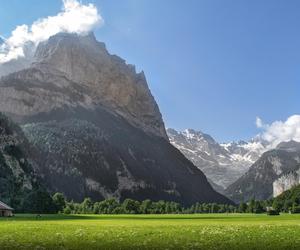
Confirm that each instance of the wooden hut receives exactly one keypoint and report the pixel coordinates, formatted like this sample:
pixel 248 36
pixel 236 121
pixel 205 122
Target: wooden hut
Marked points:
pixel 5 210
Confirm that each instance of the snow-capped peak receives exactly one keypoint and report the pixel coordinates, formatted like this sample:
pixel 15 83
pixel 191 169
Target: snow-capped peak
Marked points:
pixel 222 163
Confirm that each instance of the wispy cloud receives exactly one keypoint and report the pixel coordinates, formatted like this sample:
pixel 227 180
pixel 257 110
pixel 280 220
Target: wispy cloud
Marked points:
pixel 73 18
pixel 259 122
pixel 279 131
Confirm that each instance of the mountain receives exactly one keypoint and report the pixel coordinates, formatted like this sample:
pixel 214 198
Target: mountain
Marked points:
pixel 275 167
pixel 19 183
pixel 222 163
pixel 97 128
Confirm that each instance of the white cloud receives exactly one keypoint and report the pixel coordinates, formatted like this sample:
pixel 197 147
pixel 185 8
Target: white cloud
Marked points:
pixel 74 18
pixel 280 131
pixel 259 122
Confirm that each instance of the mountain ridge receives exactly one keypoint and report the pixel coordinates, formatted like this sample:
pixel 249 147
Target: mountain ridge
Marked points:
pixel 223 163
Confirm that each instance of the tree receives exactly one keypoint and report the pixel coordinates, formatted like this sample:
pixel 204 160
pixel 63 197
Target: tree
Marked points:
pixel 243 207
pixel 131 206
pixel 295 209
pixel 146 207
pixel 288 205
pixel 258 207
pixel 277 205
pixel 67 210
pixel 87 206
pixel 59 201
pixel 106 206
pixel 251 206
pixel 39 201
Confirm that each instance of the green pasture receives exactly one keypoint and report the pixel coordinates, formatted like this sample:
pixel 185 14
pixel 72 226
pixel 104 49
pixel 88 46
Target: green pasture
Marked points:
pixel 197 231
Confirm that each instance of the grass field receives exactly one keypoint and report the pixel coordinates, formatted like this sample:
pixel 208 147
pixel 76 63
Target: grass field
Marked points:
pixel 208 231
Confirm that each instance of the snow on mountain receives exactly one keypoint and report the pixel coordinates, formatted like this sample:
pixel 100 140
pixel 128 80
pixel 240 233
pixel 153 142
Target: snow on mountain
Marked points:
pixel 222 163
pixel 276 171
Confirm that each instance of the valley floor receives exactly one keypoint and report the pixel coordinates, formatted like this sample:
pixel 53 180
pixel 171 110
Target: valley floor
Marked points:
pixel 205 231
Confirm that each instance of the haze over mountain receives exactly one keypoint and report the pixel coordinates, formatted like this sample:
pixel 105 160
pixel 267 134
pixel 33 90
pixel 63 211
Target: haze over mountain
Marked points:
pixel 97 127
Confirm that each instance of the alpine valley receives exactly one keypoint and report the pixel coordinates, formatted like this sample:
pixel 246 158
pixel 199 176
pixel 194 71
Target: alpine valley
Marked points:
pixel 85 123
pixel 95 127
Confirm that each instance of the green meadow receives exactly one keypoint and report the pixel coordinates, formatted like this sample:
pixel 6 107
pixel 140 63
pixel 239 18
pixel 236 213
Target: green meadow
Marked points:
pixel 197 231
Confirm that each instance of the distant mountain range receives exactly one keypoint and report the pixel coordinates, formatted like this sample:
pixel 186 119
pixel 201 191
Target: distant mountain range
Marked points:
pixel 222 163
pixel 274 172
pixel 95 125
pixel 241 170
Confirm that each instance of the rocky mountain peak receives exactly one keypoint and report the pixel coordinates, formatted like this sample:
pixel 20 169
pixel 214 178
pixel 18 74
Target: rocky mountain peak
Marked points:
pixel 73 70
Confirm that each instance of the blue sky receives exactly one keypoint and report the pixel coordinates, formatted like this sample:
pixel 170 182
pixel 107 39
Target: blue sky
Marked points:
pixel 212 65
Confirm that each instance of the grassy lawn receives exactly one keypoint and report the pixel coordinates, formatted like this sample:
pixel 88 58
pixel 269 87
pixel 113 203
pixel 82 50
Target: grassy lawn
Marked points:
pixel 207 231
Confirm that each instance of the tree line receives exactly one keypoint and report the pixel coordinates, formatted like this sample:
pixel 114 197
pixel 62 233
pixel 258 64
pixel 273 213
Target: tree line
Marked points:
pixel 40 201
pixel 130 206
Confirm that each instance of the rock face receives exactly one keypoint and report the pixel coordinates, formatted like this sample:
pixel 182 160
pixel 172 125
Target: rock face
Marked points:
pixel 71 70
pixel 97 128
pixel 272 166
pixel 286 182
pixel 222 163
pixel 17 176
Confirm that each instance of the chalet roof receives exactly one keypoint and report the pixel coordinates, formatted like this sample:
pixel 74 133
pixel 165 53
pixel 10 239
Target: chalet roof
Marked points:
pixel 3 206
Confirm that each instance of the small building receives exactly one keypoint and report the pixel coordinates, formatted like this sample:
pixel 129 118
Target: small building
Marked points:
pixel 5 210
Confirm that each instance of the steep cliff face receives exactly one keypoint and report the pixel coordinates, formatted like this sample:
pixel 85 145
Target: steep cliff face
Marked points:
pixel 286 182
pixel 72 70
pixel 258 181
pixel 96 126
